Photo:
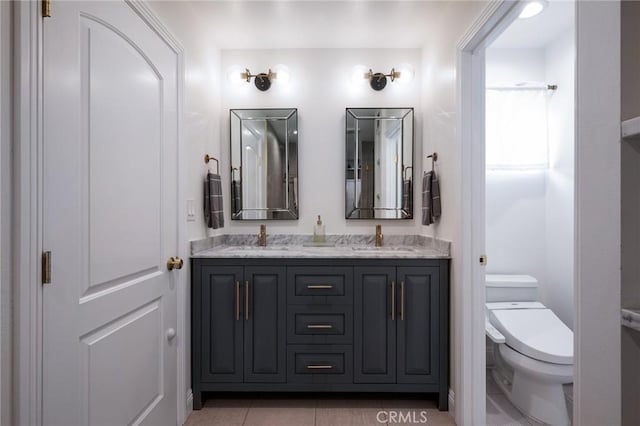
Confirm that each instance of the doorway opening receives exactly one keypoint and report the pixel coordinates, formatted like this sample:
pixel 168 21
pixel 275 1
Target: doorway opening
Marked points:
pixel 517 96
pixel 529 217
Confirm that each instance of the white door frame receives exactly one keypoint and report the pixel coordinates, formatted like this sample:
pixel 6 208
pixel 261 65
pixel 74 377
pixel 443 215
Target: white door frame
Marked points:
pixel 597 224
pixel 470 383
pixel 27 211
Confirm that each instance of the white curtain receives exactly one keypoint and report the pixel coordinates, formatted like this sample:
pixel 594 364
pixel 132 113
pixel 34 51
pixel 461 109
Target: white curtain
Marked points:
pixel 516 129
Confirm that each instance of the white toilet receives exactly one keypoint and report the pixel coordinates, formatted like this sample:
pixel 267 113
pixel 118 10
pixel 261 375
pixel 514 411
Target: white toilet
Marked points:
pixel 535 348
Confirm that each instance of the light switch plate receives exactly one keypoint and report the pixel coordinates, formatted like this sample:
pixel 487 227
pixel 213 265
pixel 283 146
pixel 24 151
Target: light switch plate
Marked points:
pixel 191 210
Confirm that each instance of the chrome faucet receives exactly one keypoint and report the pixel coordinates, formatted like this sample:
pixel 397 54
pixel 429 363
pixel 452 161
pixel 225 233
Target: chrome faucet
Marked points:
pixel 379 236
pixel 262 236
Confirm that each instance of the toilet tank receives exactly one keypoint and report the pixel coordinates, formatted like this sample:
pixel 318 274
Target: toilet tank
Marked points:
pixel 511 288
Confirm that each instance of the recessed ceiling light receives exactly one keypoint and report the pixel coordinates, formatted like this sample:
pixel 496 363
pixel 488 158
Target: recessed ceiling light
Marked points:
pixel 533 8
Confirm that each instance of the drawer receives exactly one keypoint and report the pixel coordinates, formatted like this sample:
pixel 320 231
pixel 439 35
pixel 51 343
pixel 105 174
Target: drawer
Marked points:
pixel 320 364
pixel 319 324
pixel 320 285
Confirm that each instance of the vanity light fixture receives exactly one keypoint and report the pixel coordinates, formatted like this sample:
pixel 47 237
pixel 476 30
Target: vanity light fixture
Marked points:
pixel 378 80
pixel 261 80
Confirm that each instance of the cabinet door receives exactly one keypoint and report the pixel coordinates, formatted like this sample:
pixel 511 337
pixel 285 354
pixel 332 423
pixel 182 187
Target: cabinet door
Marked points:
pixel 418 324
pixel 220 329
pixel 374 327
pixel 265 327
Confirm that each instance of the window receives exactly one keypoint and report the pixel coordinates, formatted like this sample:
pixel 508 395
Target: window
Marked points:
pixel 516 128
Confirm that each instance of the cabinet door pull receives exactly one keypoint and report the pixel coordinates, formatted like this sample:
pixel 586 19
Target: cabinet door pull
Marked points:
pixel 401 300
pixel 393 300
pixel 237 300
pixel 320 287
pixel 246 300
pixel 320 326
pixel 319 367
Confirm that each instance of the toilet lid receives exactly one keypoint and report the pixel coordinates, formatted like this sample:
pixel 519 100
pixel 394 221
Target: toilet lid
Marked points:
pixel 537 333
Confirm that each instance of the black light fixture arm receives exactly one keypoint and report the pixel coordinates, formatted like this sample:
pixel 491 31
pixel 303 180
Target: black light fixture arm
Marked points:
pixel 378 80
pixel 261 80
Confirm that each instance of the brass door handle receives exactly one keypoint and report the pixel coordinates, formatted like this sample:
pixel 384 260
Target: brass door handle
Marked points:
pixel 319 286
pixel 237 300
pixel 402 301
pixel 319 326
pixel 246 300
pixel 393 300
pixel 174 263
pixel 319 367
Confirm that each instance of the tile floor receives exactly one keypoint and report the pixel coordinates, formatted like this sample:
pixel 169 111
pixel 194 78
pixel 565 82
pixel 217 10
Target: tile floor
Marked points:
pixel 317 412
pixel 349 411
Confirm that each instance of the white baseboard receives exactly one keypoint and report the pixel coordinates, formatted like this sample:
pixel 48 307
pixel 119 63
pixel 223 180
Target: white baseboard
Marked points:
pixel 452 403
pixel 189 404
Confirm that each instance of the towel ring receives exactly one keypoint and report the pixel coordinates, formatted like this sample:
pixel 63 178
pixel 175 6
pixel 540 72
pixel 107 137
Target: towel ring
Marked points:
pixel 404 176
pixel 434 158
pixel 208 158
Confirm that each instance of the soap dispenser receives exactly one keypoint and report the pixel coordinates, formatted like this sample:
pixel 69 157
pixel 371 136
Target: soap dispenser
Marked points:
pixel 318 231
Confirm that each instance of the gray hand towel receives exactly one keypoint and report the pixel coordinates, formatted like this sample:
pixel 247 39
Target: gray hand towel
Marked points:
pixel 236 196
pixel 407 196
pixel 431 206
pixel 213 211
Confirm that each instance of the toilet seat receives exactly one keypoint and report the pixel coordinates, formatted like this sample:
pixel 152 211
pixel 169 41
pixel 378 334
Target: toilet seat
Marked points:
pixel 534 331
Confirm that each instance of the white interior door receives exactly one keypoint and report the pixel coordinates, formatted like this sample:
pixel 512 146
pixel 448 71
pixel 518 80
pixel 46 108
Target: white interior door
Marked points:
pixel 110 218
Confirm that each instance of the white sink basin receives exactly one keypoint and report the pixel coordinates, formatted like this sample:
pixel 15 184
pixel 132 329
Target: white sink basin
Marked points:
pixel 254 248
pixel 393 249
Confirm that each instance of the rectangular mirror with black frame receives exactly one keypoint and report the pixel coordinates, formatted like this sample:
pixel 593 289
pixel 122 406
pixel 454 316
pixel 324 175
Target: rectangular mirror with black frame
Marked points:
pixel 379 163
pixel 264 164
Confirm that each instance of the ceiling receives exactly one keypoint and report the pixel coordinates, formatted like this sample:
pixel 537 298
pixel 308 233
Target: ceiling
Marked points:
pixel 538 31
pixel 309 24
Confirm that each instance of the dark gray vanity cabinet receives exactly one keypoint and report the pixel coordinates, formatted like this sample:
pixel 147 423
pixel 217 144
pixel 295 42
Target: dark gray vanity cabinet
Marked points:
pixel 397 311
pixel 217 299
pixel 320 325
pixel 239 334
pixel 418 325
pixel 375 344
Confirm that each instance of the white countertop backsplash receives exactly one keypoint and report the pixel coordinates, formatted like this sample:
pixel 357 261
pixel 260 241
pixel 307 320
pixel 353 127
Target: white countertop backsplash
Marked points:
pixel 337 246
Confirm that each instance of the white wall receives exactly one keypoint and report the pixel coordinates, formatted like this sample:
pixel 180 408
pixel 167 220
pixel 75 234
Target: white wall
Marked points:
pixel 5 215
pixel 558 290
pixel 530 213
pixel 439 61
pixel 516 199
pixel 597 329
pixel 201 100
pixel 200 133
pixel 321 89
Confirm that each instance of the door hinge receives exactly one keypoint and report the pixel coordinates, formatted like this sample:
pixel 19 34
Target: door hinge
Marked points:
pixel 483 260
pixel 46 8
pixel 46 267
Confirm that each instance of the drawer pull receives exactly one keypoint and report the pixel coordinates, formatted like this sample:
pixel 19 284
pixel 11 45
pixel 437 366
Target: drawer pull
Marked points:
pixel 320 287
pixel 321 326
pixel 237 300
pixel 320 367
pixel 401 300
pixel 393 300
pixel 246 300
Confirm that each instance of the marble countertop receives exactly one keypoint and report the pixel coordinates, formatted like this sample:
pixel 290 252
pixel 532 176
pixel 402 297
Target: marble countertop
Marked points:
pixel 337 246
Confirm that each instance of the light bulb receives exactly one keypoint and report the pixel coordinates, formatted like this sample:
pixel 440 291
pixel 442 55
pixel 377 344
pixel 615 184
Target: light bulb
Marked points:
pixel 358 75
pixel 533 8
pixel 234 74
pixel 406 74
pixel 283 75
